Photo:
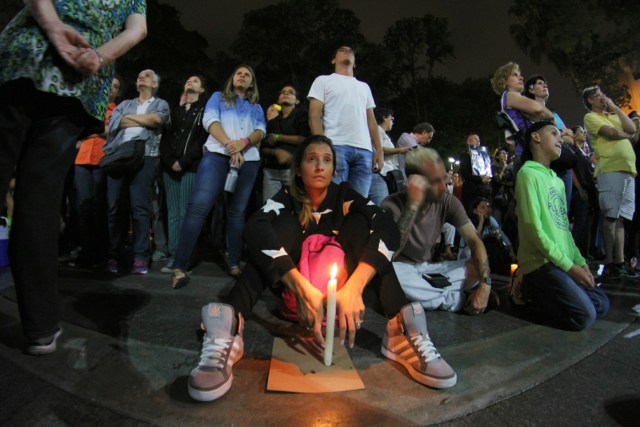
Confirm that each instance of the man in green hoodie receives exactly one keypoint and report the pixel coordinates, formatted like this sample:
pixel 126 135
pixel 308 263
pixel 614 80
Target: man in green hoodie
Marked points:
pixel 556 276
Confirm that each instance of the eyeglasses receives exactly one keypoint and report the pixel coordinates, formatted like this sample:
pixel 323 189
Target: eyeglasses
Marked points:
pixel 595 89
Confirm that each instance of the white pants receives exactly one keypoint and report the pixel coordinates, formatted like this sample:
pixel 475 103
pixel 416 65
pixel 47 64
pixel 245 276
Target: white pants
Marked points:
pixel 462 275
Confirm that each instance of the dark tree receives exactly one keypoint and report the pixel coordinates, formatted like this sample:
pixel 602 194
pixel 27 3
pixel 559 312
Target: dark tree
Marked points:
pixel 454 109
pixel 417 45
pixel 8 9
pixel 589 41
pixel 169 49
pixel 293 41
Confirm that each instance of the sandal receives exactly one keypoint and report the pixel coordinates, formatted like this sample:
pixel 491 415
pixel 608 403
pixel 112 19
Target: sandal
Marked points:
pixel 179 278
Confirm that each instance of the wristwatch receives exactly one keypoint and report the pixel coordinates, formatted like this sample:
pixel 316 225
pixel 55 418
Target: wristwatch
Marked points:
pixel 486 280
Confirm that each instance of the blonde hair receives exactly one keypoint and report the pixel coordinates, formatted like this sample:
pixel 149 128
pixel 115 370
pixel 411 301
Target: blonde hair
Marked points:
pixel 499 79
pixel 229 96
pixel 416 157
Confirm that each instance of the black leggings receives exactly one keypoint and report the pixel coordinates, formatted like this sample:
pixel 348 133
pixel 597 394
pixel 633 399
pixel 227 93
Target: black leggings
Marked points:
pixel 383 288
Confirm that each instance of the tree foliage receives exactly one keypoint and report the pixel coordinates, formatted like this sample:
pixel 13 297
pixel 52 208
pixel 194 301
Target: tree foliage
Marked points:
pixel 169 49
pixel 8 9
pixel 417 45
pixel 454 109
pixel 292 42
pixel 587 40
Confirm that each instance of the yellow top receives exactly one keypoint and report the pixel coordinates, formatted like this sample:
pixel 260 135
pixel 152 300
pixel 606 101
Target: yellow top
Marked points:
pixel 614 155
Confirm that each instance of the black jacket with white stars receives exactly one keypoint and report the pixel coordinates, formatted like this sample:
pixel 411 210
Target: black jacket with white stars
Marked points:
pixel 274 234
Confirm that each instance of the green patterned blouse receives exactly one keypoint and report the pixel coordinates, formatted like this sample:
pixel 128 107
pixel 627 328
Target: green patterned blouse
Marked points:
pixel 25 51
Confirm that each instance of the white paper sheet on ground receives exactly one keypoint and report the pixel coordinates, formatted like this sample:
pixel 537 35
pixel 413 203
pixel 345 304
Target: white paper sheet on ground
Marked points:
pixel 297 366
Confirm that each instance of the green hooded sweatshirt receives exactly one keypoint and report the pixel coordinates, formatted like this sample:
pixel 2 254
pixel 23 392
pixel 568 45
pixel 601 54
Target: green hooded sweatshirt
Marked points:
pixel 543 226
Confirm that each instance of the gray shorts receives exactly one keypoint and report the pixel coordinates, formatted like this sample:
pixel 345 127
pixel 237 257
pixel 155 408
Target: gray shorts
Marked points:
pixel 616 194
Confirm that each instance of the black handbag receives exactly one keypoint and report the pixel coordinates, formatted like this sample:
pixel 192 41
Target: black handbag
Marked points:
pixel 395 181
pixel 128 157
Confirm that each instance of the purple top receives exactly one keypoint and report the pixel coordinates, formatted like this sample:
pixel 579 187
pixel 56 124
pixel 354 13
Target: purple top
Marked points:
pixel 518 119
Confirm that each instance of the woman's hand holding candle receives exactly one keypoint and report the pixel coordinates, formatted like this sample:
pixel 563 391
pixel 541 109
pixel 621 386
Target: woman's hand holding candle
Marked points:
pixel 349 302
pixel 310 302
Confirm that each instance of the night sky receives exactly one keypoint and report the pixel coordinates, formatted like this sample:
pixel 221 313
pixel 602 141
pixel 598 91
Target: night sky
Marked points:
pixel 479 33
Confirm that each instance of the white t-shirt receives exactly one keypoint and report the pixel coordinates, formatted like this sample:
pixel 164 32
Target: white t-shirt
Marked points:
pixel 390 160
pixel 346 101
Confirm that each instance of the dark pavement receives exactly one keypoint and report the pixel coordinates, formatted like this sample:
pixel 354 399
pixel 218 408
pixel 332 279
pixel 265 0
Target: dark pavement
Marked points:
pixel 129 343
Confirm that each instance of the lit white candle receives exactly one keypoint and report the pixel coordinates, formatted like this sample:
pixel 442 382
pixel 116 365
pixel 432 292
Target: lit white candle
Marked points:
pixel 331 316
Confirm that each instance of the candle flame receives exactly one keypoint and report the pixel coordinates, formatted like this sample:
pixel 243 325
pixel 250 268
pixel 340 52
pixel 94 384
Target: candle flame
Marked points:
pixel 514 267
pixel 334 271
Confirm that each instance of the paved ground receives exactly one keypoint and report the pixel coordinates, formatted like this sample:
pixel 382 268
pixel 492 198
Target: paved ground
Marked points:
pixel 130 342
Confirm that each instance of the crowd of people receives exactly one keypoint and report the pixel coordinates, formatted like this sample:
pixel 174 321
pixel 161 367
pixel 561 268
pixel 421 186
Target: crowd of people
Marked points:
pixel 405 231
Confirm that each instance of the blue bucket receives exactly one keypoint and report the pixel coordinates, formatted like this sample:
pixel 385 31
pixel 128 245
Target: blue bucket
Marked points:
pixel 4 242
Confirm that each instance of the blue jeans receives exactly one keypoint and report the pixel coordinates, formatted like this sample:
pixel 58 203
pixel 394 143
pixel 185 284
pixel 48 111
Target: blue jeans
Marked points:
pixel 210 179
pixel 379 189
pixel 354 165
pixel 564 300
pixel 140 183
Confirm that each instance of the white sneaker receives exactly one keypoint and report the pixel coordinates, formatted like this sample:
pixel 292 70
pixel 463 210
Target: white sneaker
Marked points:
pixel 221 349
pixel 45 345
pixel 407 341
pixel 168 267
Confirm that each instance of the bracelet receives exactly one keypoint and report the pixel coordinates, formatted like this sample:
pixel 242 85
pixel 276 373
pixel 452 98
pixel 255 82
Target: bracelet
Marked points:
pixel 486 280
pixel 246 142
pixel 277 137
pixel 100 57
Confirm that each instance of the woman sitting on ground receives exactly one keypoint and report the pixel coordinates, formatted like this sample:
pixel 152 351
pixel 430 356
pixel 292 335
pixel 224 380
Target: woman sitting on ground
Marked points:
pixel 315 209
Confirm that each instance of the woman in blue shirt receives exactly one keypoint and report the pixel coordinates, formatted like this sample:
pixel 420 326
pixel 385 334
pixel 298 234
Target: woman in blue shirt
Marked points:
pixel 236 125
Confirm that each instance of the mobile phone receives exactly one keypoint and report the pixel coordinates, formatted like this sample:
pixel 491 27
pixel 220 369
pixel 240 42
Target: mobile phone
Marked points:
pixel 437 280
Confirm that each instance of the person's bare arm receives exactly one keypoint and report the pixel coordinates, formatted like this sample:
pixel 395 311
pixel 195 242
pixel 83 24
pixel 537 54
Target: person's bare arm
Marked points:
pixel 480 297
pixel 395 150
pixel 315 116
pixel 349 303
pixel 309 301
pixel 378 155
pixel 135 30
pixel 628 126
pixel 530 108
pixel 218 133
pixel 74 48
pixel 417 185
pixel 68 42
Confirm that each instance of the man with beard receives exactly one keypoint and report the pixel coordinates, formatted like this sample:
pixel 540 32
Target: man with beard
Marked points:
pixel 420 213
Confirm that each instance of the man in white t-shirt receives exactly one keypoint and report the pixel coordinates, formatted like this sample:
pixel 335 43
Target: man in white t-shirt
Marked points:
pixel 341 108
